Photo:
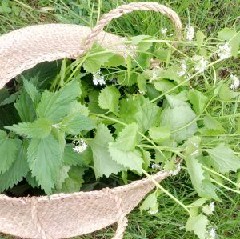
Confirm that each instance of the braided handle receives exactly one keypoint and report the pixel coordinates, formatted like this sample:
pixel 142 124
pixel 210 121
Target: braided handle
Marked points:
pixel 134 6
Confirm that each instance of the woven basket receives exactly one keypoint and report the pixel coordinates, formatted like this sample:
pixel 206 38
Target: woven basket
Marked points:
pixel 69 215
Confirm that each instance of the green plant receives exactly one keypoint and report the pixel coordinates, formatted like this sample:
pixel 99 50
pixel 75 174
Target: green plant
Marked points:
pixel 147 98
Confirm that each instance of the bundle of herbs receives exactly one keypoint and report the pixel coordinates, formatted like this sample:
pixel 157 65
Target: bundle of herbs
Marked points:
pixel 106 120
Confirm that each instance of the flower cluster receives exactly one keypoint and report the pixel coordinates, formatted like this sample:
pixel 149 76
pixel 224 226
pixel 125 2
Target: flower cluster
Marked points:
pixel 183 70
pixel 98 78
pixel 82 146
pixel 189 33
pixel 224 51
pixel 235 82
pixel 201 65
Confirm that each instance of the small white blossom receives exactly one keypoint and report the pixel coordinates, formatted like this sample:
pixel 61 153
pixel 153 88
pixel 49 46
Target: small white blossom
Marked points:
pixel 183 70
pixel 81 147
pixel 212 233
pixel 224 51
pixel 156 166
pixel 212 206
pixel 152 212
pixel 201 65
pixel 98 79
pixel 176 171
pixel 164 31
pixel 235 82
pixel 189 33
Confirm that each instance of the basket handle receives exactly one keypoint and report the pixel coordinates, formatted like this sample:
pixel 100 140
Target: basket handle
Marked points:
pixel 127 8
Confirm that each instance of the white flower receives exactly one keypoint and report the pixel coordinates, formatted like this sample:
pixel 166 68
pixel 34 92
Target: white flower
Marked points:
pixel 189 33
pixel 176 171
pixel 164 31
pixel 235 82
pixel 183 70
pixel 82 146
pixel 224 51
pixel 98 79
pixel 156 166
pixel 201 65
pixel 152 212
pixel 212 206
pixel 212 233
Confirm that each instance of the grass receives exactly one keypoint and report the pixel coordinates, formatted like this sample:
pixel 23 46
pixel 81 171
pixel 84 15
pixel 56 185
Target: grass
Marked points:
pixel 209 16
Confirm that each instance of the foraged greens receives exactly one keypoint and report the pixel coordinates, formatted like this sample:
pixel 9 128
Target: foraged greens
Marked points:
pixel 106 115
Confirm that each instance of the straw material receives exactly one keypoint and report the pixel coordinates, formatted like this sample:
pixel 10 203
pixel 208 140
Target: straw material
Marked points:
pixel 68 215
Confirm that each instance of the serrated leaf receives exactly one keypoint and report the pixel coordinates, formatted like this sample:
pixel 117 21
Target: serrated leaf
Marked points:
pixel 40 128
pixel 150 204
pixel 129 159
pixel 163 85
pixel 25 107
pixel 108 98
pixel 234 43
pixel 223 159
pixel 77 107
pixel 127 138
pixel 75 123
pixel 96 58
pixel 198 100
pixel 8 151
pixel 225 93
pixel 200 38
pixel 180 119
pixel 45 161
pixel 139 110
pixel 159 134
pixel 199 179
pixel 73 158
pixel 31 90
pixel 198 224
pixel 74 181
pixel 16 172
pixel 103 163
pixel 226 34
pixel 55 106
pixel 213 124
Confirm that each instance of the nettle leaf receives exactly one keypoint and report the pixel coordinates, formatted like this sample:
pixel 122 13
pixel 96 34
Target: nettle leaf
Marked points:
pixel 200 179
pixel 198 224
pixel 159 134
pixel 163 85
pixel 72 158
pixel 8 151
pixel 198 100
pixel 180 118
pixel 127 138
pixel 123 149
pixel 108 98
pixel 74 181
pixel 31 90
pixel 139 110
pixel 129 159
pixel 223 159
pixel 55 106
pixel 77 107
pixel 150 204
pixel 211 126
pixel 40 128
pixel 76 122
pixel 45 161
pixel 235 43
pixel 96 58
pixel 226 34
pixel 16 172
pixel 25 107
pixel 103 163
